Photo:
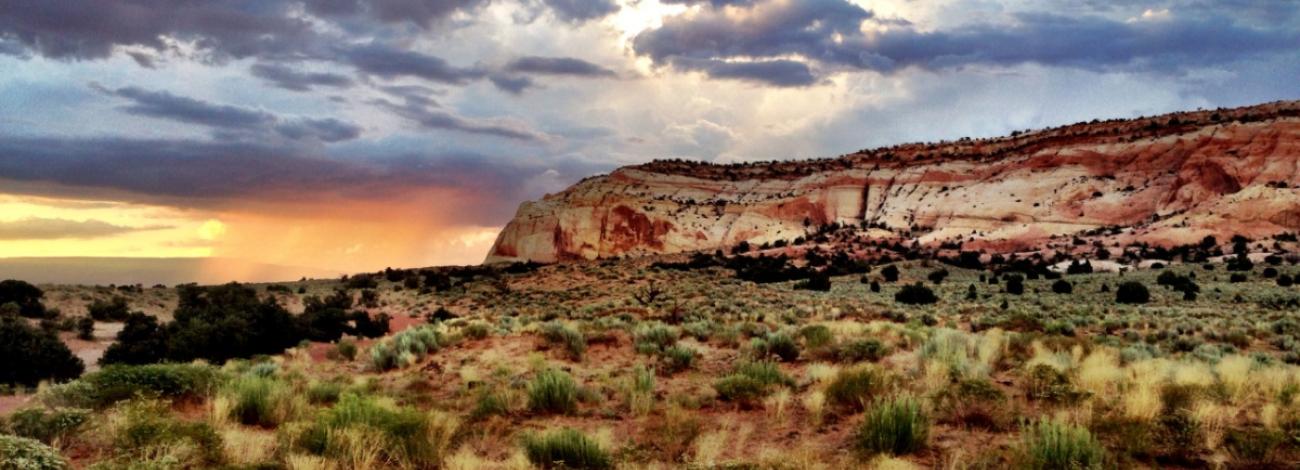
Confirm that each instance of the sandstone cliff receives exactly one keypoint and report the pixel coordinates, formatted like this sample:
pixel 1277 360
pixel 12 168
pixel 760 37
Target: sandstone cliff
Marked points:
pixel 1165 180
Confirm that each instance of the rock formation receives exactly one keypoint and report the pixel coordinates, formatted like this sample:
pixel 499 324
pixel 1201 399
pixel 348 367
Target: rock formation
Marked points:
pixel 1163 180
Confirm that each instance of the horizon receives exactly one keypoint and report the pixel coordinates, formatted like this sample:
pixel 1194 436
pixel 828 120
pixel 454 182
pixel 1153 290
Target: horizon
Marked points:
pixel 350 136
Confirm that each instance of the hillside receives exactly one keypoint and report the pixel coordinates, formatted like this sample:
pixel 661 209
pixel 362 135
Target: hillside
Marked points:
pixel 1165 180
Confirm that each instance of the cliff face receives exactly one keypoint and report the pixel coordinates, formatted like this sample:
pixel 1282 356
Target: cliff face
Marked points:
pixel 1165 180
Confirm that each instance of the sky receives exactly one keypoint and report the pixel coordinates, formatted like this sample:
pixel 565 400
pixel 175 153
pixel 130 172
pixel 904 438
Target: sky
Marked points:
pixel 352 135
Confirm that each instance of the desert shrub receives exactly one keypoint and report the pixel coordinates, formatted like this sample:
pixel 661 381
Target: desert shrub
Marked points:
pixel 1132 292
pixel 852 389
pixel 782 346
pixel 141 341
pixel 259 401
pixel 86 328
pixel 1015 284
pixel 750 381
pixel 890 273
pixel 346 349
pixel 700 330
pixel 816 336
pixel 1285 280
pixel 116 383
pixel 360 426
pixel 894 426
pixel 817 281
pixel 328 319
pixel 114 310
pixel 477 330
pixel 24 295
pixel 553 391
pixel 1052 445
pixel 405 348
pixel 29 355
pixel 1062 286
pixel 574 342
pixel 862 350
pixel 1255 446
pixel 46 425
pixel 20 453
pixel 489 403
pixel 565 449
pixel 654 337
pixel 1043 382
pixel 915 294
pixel 324 393
pixel 678 358
pixel 146 435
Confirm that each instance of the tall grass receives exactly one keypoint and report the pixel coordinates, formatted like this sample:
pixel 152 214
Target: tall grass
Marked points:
pixel 566 449
pixel 255 400
pixel 1054 445
pixel 574 342
pixel 852 389
pixel 894 426
pixel 405 348
pixel 362 431
pixel 553 391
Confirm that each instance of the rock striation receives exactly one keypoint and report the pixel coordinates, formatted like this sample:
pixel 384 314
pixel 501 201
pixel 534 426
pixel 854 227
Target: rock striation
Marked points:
pixel 1163 180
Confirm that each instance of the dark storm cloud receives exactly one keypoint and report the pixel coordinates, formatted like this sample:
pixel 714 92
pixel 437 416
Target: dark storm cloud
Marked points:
pixel 511 84
pixel 557 66
pixel 828 32
pixel 581 10
pixel 41 228
pixel 90 29
pixel 389 62
pixel 229 120
pixel 431 117
pixel 206 173
pixel 785 73
pixel 292 79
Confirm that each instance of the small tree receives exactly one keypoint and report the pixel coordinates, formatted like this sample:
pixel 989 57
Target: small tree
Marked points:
pixel 1062 286
pixel 890 273
pixel 1132 292
pixel 915 294
pixel 29 355
pixel 1015 285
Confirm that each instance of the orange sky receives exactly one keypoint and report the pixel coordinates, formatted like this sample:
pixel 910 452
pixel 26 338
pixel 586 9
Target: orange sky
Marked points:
pixel 347 237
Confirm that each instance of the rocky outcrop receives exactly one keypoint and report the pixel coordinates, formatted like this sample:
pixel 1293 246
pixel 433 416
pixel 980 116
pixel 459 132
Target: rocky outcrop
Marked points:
pixel 1167 180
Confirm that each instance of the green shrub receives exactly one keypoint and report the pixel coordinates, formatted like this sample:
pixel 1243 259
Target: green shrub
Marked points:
pixel 20 453
pixel 406 437
pixel 565 449
pixel 1052 445
pixel 116 383
pixel 782 346
pixel 862 350
pixel 852 389
pixel 47 425
pixel 145 432
pixel 30 355
pixel 324 393
pixel 700 330
pixel 816 336
pixel 678 358
pixel 477 330
pixel 259 401
pixel 86 328
pixel 750 381
pixel 654 337
pixel 1255 446
pixel 346 349
pixel 553 391
pixel 895 426
pixel 1062 286
pixel 112 311
pixel 915 294
pixel 574 342
pixel 405 348
pixel 490 403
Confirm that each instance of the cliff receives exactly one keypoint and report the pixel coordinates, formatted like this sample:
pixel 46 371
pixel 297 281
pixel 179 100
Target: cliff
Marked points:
pixel 1162 180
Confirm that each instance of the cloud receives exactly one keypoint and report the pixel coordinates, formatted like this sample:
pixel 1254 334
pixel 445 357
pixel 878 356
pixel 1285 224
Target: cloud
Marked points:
pixel 557 66
pixel 292 79
pixel 221 174
pixel 784 73
pixel 829 33
pixel 41 228
pixel 511 84
pixel 576 11
pixel 430 117
pixel 231 120
pixel 389 62
pixel 91 29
